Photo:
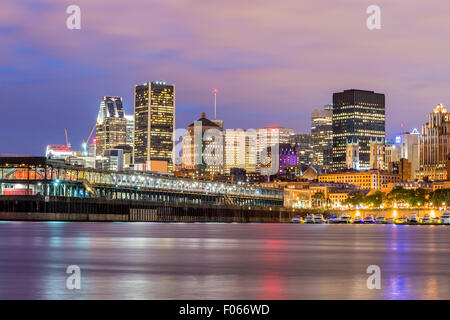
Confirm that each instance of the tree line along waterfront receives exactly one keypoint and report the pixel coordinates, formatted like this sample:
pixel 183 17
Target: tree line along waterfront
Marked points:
pixel 400 197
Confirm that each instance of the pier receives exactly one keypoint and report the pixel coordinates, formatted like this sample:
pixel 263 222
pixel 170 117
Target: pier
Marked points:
pixel 50 178
pixel 39 208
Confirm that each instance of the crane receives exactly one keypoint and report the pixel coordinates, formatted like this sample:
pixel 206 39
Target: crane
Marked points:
pixel 67 139
pixel 85 143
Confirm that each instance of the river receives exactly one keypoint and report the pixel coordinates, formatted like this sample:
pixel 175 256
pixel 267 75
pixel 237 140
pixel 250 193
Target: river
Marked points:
pixel 223 261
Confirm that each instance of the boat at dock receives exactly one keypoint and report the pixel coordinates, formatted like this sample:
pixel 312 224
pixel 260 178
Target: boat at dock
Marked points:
pixel 445 218
pixel 380 220
pixel 358 220
pixel 296 219
pixel 414 219
pixel 309 218
pixel 318 218
pixel 345 218
pixel 369 219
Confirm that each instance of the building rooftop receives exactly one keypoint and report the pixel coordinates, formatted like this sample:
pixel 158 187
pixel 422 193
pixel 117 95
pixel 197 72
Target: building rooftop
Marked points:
pixel 205 122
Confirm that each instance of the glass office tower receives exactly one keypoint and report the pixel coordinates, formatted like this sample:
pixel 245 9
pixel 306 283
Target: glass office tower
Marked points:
pixel 154 125
pixel 111 127
pixel 358 119
pixel 322 136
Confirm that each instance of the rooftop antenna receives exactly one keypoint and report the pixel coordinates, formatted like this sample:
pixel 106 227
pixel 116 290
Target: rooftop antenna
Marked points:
pixel 215 103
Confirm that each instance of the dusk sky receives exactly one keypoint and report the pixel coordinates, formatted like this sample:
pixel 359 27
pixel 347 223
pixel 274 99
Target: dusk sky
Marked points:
pixel 272 61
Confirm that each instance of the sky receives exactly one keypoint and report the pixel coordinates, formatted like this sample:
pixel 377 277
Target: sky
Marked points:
pixel 273 61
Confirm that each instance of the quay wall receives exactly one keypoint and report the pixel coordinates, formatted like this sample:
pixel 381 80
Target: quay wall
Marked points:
pixel 37 208
pixel 389 212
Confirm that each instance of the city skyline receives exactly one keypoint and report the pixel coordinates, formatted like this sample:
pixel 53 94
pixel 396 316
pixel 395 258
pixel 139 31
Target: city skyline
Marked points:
pixel 53 74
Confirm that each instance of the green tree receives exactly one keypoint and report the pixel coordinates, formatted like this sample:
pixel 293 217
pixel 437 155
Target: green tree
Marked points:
pixel 375 199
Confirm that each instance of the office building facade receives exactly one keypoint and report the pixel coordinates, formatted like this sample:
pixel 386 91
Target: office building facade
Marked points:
pixel 434 145
pixel 358 118
pixel 205 155
pixel 304 144
pixel 111 127
pixel 239 150
pixel 130 129
pixel 322 136
pixel 154 125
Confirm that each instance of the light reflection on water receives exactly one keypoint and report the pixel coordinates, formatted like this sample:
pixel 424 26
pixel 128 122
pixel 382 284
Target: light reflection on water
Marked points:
pixel 223 261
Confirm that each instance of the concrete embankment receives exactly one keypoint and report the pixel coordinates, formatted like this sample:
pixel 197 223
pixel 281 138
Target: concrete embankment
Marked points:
pixel 390 212
pixel 36 208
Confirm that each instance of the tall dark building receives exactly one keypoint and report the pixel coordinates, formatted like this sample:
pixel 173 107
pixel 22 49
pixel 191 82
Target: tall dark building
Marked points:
pixel 358 121
pixel 154 125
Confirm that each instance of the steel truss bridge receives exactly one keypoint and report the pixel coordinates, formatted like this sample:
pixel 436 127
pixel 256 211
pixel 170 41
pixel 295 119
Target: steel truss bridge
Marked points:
pixel 51 178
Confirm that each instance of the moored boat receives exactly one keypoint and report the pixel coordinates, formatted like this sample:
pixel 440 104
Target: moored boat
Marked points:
pixel 390 220
pixel 318 218
pixel 357 220
pixel 445 218
pixel 369 219
pixel 414 219
pixel 309 218
pixel 296 219
pixel 345 218
pixel 380 220
pixel 426 219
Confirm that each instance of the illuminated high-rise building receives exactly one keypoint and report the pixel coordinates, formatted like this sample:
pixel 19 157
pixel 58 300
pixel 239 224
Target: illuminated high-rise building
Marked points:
pixel 239 150
pixel 322 136
pixel 111 127
pixel 154 125
pixel 269 137
pixel 358 117
pixel 404 146
pixel 130 129
pixel 434 145
pixel 409 146
pixel 209 155
pixel 304 144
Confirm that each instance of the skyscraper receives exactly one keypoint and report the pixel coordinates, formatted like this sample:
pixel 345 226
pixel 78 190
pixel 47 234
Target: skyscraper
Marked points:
pixel 405 146
pixel 304 143
pixel 322 136
pixel 239 150
pixel 111 127
pixel 130 129
pixel 358 119
pixel 154 116
pixel 270 137
pixel 409 142
pixel 434 145
pixel 203 159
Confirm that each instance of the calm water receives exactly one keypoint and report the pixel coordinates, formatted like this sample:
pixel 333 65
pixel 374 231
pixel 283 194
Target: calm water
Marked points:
pixel 223 261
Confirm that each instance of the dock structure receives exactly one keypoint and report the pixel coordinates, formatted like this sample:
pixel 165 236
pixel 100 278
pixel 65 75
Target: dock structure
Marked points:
pixel 38 208
pixel 46 178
